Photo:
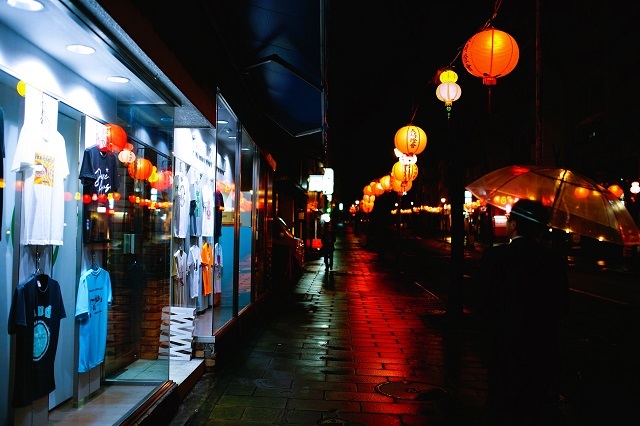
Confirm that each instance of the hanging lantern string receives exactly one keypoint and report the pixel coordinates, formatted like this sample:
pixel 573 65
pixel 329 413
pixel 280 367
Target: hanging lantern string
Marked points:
pixel 486 25
pixel 436 78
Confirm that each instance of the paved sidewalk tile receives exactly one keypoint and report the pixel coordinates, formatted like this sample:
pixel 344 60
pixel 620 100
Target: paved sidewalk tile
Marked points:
pixel 358 345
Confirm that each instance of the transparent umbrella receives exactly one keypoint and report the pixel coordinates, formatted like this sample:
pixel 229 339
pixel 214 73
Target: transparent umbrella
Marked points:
pixel 578 204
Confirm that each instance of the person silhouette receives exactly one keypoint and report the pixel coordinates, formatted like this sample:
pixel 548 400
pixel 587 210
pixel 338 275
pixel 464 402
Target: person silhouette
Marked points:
pixel 328 244
pixel 525 293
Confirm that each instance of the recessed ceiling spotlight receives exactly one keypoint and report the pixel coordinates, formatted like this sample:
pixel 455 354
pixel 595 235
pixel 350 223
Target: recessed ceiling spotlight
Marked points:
pixel 81 49
pixel 28 5
pixel 118 79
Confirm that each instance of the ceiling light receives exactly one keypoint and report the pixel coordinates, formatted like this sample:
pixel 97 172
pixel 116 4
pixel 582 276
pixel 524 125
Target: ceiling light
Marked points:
pixel 223 122
pixel 232 137
pixel 28 5
pixel 81 49
pixel 118 79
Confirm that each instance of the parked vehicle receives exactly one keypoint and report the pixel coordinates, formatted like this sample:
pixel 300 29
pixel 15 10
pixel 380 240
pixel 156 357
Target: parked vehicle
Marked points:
pixel 288 252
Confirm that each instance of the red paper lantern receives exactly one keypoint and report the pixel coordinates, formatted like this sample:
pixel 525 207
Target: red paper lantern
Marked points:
pixel 86 198
pixel 165 180
pixel 140 169
pixel 410 140
pixel 116 138
pixel 116 196
pixel 102 198
pixel 490 54
pixel 132 199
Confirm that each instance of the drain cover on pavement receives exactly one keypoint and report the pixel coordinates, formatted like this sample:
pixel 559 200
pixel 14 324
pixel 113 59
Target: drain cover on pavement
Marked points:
pixel 334 421
pixel 411 390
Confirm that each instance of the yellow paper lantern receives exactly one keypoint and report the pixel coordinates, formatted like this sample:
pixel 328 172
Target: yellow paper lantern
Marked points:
pixel 22 88
pixel 490 54
pixel 153 177
pixel 404 172
pixel 410 140
pixel 448 76
pixel 367 190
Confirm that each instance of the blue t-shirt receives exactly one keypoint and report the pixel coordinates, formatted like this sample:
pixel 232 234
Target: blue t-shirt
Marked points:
pixel 34 317
pixel 94 297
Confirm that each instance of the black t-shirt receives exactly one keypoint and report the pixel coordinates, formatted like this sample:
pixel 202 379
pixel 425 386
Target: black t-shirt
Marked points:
pixel 99 171
pixel 34 317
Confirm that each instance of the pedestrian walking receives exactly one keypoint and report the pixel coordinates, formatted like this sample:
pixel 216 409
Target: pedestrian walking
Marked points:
pixel 525 290
pixel 328 244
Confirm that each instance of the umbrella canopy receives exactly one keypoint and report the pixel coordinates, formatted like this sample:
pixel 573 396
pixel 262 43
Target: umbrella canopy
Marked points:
pixel 578 204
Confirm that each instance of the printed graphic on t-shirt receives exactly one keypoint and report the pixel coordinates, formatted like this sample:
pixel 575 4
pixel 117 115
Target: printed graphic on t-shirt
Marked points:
pixel 44 169
pixel 41 338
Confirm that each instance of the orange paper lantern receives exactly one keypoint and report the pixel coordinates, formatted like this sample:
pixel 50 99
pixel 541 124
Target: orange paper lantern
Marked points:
pixel 581 192
pixel 616 190
pixel 385 182
pixel 140 169
pixel 404 172
pixel 490 54
pixel 400 186
pixel 376 188
pixel 366 207
pixel 410 140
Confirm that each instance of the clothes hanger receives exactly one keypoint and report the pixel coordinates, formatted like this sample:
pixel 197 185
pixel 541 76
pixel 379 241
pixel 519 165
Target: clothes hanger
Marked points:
pixel 94 264
pixel 38 270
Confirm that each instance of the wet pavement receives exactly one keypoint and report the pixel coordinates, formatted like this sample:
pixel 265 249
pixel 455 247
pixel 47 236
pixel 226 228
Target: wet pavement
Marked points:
pixel 362 344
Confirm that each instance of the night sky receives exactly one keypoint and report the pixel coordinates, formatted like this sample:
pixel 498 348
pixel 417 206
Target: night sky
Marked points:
pixel 381 64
